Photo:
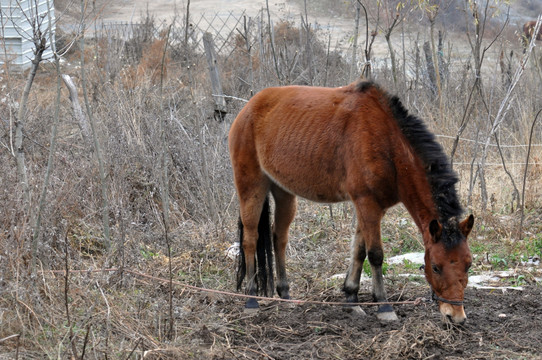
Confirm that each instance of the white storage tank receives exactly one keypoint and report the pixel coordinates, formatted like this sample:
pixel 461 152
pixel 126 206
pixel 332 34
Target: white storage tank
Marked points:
pixel 18 18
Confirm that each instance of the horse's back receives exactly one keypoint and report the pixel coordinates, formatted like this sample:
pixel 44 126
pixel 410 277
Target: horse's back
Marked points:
pixel 312 140
pixel 282 115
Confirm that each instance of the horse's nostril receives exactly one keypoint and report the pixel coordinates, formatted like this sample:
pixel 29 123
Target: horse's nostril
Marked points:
pixel 456 321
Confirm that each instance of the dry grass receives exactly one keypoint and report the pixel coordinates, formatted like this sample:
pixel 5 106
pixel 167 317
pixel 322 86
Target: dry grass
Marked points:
pixel 117 315
pixel 122 313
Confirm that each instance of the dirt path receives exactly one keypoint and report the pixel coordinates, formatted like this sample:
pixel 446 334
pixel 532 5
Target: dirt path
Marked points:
pixel 340 29
pixel 165 9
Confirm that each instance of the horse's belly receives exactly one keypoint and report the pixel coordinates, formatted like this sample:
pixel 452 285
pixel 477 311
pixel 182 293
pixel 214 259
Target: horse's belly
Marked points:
pixel 313 186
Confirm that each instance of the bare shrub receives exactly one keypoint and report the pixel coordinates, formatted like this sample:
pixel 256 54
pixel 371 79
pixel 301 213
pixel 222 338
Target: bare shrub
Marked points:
pixel 131 93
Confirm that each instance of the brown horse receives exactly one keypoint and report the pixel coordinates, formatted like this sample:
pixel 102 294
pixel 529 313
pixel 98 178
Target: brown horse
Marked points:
pixel 528 32
pixel 353 143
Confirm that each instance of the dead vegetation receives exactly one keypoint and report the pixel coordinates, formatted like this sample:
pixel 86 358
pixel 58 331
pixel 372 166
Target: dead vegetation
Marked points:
pixel 147 97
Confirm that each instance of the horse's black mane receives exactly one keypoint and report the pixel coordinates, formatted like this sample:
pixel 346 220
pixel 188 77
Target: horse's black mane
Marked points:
pixel 440 174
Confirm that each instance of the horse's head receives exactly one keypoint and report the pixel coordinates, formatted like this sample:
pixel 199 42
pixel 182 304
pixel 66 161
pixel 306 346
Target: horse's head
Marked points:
pixel 447 262
pixel 528 32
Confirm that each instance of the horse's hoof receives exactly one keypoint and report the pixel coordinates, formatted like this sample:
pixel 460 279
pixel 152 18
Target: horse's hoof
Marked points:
pixel 387 316
pixel 385 313
pixel 358 311
pixel 251 304
pixel 249 311
pixel 287 304
pixel 283 292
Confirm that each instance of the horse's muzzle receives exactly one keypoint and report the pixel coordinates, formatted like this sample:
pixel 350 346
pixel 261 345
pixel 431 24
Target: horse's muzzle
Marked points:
pixel 454 313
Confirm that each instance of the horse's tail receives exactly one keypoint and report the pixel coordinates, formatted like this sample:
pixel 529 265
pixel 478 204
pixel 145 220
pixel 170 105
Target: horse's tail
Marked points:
pixel 264 254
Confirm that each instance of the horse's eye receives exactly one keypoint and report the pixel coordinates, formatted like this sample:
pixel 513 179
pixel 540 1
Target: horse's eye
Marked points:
pixel 436 269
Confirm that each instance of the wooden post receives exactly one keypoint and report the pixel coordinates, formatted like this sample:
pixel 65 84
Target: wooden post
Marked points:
pixel 218 95
pixel 430 66
pixel 77 111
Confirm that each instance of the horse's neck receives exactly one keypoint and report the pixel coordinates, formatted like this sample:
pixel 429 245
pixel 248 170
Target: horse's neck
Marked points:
pixel 415 193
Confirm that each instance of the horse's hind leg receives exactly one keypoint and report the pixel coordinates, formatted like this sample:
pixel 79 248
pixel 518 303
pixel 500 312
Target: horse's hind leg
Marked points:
pixel 251 203
pixel 285 207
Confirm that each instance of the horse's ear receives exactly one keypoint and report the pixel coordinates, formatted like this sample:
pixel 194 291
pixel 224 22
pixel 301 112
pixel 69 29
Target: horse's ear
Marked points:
pixel 466 225
pixel 435 229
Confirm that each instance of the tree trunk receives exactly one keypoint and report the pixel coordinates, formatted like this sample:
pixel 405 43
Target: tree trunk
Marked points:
pixel 430 67
pixel 355 45
pixel 392 59
pixel 436 65
pixel 97 147
pixel 19 123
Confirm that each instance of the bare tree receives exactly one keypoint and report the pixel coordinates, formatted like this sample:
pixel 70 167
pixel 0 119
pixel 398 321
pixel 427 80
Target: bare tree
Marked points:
pixel 308 47
pixel 96 142
pixel 39 32
pixel 366 70
pixel 272 42
pixel 387 35
pixel 394 14
pixel 245 34
pixel 355 45
pixel 52 146
pixel 480 17
pixel 432 12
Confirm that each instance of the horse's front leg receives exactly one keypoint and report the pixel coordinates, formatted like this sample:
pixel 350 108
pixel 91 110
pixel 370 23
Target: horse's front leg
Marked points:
pixel 351 283
pixel 376 258
pixel 353 275
pixel 369 215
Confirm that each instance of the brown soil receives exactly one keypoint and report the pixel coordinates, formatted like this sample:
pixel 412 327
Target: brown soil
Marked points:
pixel 500 326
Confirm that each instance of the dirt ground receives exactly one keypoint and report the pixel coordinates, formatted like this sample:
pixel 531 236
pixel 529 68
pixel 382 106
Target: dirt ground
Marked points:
pixel 500 326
